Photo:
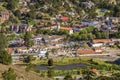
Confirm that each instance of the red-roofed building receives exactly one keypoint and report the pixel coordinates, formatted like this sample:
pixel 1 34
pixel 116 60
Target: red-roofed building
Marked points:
pixel 101 42
pixel 88 51
pixel 64 18
pixel 85 51
pixel 67 29
pixel 59 44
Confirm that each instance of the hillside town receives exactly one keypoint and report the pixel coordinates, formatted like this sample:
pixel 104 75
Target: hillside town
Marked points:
pixel 33 32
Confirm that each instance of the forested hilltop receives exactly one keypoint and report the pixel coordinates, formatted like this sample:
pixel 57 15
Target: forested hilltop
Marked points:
pixel 30 10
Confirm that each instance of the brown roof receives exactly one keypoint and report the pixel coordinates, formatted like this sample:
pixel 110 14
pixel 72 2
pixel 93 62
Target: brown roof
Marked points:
pixel 102 40
pixel 9 50
pixel 65 28
pixel 64 18
pixel 85 51
pixel 94 70
pixel 59 43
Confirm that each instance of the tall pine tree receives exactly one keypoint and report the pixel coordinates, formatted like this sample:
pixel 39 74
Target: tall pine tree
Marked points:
pixel 5 58
pixel 28 39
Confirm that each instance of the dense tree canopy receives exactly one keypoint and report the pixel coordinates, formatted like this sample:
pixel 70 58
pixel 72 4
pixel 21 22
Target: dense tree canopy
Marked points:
pixel 68 77
pixel 29 58
pixel 5 58
pixel 3 42
pixel 27 38
pixel 12 4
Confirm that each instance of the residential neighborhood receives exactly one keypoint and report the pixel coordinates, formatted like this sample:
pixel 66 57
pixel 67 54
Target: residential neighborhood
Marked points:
pixel 60 39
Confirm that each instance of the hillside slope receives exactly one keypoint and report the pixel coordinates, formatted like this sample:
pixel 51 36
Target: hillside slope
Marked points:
pixel 21 73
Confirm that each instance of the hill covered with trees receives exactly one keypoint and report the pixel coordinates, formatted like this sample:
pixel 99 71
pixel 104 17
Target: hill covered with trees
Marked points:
pixel 32 10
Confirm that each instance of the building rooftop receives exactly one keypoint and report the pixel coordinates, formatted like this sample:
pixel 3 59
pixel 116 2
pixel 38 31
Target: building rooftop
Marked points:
pixel 85 51
pixel 102 40
pixel 65 28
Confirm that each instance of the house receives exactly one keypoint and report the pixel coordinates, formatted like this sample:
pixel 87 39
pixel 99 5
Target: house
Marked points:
pixel 16 42
pixel 85 51
pixel 98 50
pixel 42 53
pixel 59 44
pixel 37 40
pixel 20 28
pixel 91 23
pixel 115 19
pixel 70 30
pixel 64 18
pixel 67 29
pixel 47 26
pixel 21 50
pixel 95 50
pixel 78 27
pixel 4 15
pixel 101 42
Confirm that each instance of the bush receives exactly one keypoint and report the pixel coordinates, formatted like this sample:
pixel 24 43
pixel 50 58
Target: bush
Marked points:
pixel 9 74
pixel 5 58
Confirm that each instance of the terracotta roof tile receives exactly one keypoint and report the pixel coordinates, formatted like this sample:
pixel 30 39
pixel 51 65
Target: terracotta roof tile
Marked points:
pixel 65 28
pixel 102 40
pixel 85 51
pixel 64 18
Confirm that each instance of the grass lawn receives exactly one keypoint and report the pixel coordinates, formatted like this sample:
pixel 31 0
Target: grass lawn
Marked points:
pixel 101 66
pixel 64 61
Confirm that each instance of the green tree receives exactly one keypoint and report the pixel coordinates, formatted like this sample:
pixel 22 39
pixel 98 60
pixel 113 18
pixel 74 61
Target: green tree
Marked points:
pixel 50 73
pixel 47 54
pixel 31 14
pixel 50 62
pixel 3 42
pixel 104 35
pixel 17 13
pixel 28 40
pixel 103 78
pixel 88 75
pixel 9 74
pixel 13 19
pixel 68 77
pixel 5 58
pixel 12 4
pixel 29 59
pixel 98 35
